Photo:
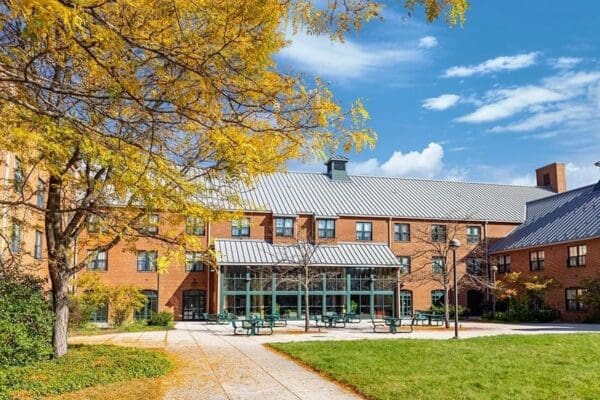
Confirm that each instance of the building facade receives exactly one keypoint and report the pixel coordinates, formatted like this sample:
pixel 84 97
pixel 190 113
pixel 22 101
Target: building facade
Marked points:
pixel 378 245
pixel 560 239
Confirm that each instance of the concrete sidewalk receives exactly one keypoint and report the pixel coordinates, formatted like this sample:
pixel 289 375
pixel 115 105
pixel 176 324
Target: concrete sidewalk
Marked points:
pixel 219 365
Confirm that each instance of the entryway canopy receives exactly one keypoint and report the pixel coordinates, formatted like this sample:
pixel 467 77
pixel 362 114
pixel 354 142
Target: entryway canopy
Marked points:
pixel 259 252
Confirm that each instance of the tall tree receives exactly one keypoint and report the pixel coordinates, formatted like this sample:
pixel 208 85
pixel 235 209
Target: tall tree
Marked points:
pixel 153 105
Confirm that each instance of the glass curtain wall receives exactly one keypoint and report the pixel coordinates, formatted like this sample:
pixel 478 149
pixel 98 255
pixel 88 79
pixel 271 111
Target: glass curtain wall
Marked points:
pixel 257 291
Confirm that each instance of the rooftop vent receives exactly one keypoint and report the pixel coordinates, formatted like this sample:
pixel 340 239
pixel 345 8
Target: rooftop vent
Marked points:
pixel 336 168
pixel 597 187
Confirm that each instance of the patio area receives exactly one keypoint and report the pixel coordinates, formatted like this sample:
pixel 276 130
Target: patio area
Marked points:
pixel 215 364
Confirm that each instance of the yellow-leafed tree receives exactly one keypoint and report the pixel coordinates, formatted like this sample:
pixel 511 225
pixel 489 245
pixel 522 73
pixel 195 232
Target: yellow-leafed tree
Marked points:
pixel 140 106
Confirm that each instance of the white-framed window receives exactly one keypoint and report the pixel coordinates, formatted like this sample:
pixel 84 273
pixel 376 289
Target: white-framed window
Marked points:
pixel 194 261
pixel 195 226
pixel 240 227
pixel 438 233
pixel 577 255
pixel 284 226
pixel 326 228
pixel 438 265
pixel 146 261
pixel 98 261
pixel 364 231
pixel 404 262
pixel 37 247
pixel 402 232
pixel 473 234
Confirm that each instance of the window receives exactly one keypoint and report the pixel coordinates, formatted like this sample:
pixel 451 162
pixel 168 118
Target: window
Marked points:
pixel 404 262
pixel 146 261
pixel 504 264
pixel 16 234
pixel 437 298
pixel 195 226
pixel 194 261
pixel 573 299
pixel 100 314
pixel 151 225
pixel 474 266
pixel 438 265
pixel 98 261
pixel 94 224
pixel 438 233
pixel 41 191
pixel 577 256
pixel 19 176
pixel 406 303
pixel 37 248
pixel 402 232
pixel 240 227
pixel 326 228
pixel 284 227
pixel 364 231
pixel 536 260
pixel 473 234
pixel 150 306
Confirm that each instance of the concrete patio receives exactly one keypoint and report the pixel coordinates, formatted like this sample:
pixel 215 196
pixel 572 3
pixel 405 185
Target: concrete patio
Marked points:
pixel 219 365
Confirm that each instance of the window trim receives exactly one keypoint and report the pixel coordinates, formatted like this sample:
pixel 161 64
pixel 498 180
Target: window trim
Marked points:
pixel 538 262
pixel 435 236
pixel 95 261
pixel 284 231
pixel 398 234
pixel 579 306
pixel 241 225
pixel 18 176
pixel 503 266
pixel 40 198
pixel 16 237
pixel 578 258
pixel 443 297
pixel 146 252
pixel 38 245
pixel 197 226
pixel 470 237
pixel 399 258
pixel 434 265
pixel 362 231
pixel 197 259
pixel 325 229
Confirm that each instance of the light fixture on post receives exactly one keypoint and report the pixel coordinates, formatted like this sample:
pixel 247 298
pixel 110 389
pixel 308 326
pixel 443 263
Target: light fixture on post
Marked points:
pixel 454 245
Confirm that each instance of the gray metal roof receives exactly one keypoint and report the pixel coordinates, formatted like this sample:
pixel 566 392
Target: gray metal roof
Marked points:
pixel 569 216
pixel 313 193
pixel 258 252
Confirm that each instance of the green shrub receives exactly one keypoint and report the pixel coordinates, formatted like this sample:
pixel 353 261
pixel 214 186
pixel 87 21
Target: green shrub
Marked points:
pixel 163 318
pixel 25 320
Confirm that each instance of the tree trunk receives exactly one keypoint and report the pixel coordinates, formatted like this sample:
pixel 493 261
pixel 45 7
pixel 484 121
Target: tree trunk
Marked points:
pixel 446 308
pixel 60 305
pixel 306 298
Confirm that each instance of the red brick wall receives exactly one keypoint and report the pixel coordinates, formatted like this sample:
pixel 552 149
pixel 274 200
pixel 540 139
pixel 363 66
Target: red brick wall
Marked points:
pixel 555 266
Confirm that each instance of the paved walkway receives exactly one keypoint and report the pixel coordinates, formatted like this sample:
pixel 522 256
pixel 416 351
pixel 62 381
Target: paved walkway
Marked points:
pixel 218 365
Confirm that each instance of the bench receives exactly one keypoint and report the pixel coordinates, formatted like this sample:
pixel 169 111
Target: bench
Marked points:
pixel 352 318
pixel 329 321
pixel 379 323
pixel 397 323
pixel 276 320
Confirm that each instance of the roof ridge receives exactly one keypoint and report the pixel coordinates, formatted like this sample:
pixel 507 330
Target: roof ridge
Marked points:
pixel 554 196
pixel 415 179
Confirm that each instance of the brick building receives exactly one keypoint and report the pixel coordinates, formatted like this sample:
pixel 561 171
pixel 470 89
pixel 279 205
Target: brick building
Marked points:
pixel 560 239
pixel 373 235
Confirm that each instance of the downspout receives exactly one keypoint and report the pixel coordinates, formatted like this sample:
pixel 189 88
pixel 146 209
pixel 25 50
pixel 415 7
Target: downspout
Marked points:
pixel 210 297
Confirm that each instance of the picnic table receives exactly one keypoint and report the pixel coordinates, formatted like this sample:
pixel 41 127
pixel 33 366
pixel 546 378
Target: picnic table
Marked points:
pixel 331 320
pixel 429 317
pixel 219 319
pixel 252 326
pixel 392 324
pixel 276 320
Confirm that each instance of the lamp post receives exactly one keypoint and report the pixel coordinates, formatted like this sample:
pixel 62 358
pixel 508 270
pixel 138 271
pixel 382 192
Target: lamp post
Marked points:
pixel 494 270
pixel 455 244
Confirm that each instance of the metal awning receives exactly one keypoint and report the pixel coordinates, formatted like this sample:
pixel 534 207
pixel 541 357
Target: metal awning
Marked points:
pixel 259 252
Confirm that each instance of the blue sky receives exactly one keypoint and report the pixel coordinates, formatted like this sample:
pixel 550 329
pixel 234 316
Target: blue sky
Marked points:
pixel 516 88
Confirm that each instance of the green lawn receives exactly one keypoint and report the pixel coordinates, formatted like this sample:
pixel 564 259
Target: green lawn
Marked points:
pixel 501 367
pixel 84 366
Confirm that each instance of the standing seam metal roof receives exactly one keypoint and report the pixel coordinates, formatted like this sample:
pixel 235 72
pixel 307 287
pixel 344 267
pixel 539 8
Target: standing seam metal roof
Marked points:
pixel 296 193
pixel 258 252
pixel 569 216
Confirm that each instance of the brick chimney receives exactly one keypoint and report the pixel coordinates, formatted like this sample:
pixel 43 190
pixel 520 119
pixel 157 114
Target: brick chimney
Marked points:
pixel 552 177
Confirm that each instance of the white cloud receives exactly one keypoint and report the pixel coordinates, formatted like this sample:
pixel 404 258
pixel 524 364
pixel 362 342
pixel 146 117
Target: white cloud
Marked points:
pixel 511 101
pixel 545 119
pixel 504 63
pixel 415 164
pixel 428 42
pixel 565 62
pixel 523 180
pixel 581 174
pixel 320 55
pixel 442 102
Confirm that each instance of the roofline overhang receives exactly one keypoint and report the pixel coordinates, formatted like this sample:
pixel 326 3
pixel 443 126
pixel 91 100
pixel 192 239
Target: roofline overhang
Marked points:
pixel 545 245
pixel 225 264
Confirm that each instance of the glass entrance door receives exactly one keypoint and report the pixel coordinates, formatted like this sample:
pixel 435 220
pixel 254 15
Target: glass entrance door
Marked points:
pixel 193 304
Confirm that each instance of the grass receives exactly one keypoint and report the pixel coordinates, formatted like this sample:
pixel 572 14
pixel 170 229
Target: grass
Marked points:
pixel 500 367
pixel 82 367
pixel 135 326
